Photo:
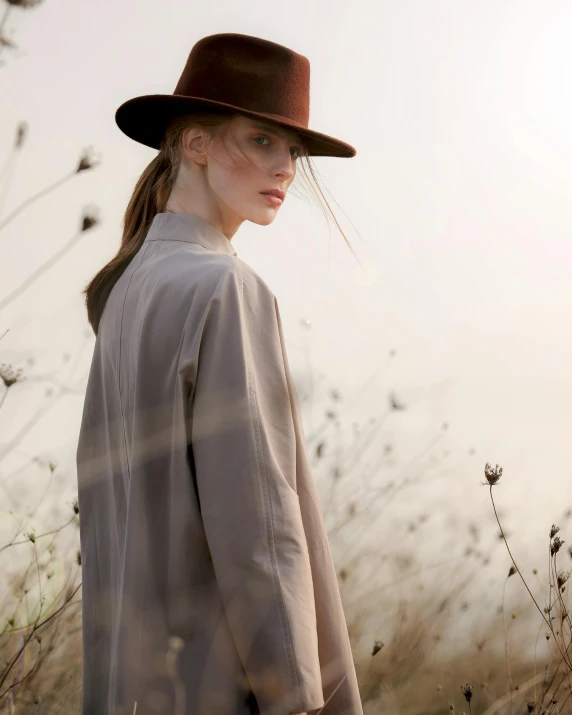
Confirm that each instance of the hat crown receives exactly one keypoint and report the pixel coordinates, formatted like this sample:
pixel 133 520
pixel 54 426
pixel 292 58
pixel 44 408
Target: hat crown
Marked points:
pixel 250 72
pixel 233 73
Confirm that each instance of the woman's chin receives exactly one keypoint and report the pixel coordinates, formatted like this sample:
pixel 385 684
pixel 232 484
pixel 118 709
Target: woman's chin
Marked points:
pixel 263 218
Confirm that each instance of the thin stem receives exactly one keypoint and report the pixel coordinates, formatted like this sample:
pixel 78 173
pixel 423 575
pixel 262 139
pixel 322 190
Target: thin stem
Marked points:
pixel 11 297
pixel 34 667
pixel 522 577
pixel 33 198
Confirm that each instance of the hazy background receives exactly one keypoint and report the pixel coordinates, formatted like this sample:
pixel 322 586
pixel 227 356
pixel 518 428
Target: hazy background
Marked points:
pixel 458 202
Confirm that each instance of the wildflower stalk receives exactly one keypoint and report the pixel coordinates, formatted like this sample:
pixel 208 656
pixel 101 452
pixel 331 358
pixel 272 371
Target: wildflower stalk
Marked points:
pixel 505 631
pixel 40 620
pixel 566 700
pixel 86 162
pixel 29 637
pixel 33 198
pixel 28 674
pixel 522 688
pixel 548 623
pixel 41 270
pixel 559 581
pixel 39 536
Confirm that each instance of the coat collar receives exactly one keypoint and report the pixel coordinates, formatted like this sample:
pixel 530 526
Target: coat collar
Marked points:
pixel 190 228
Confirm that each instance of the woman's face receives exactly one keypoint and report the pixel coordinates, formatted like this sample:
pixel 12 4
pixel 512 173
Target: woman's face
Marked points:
pixel 236 183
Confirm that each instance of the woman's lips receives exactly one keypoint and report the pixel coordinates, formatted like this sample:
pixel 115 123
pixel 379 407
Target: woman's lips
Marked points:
pixel 273 199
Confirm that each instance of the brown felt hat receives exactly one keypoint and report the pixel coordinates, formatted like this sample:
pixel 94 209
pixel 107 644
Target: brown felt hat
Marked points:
pixel 239 73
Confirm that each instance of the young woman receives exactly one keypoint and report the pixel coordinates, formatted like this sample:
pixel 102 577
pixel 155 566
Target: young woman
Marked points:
pixel 208 582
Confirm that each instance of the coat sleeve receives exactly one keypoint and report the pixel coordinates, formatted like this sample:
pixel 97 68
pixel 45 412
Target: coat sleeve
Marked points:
pixel 244 448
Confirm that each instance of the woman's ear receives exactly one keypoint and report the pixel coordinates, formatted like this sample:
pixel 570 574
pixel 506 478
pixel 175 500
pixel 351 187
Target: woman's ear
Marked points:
pixel 193 144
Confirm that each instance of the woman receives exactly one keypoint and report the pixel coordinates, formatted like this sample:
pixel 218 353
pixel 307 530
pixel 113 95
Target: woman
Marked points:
pixel 208 583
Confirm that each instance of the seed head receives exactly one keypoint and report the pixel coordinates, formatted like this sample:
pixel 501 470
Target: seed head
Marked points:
pixel 395 403
pixel 554 530
pixel 21 133
pixel 511 572
pixel 89 220
pixel 467 692
pixel 562 577
pixel 86 161
pixel 9 376
pixel 377 646
pixel 531 706
pixel 492 475
pixel 555 545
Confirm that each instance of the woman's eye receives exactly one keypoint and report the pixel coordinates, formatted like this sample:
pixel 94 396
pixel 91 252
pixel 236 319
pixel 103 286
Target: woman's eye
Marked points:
pixel 261 136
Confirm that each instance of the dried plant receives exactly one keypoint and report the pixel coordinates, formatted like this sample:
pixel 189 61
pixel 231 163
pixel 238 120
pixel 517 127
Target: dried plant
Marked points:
pixel 30 637
pixel 557 581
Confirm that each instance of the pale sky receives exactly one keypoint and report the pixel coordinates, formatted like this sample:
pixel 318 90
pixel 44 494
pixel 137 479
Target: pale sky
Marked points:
pixel 458 200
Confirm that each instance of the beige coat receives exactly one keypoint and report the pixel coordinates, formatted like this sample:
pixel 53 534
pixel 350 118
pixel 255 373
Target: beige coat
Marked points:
pixel 208 583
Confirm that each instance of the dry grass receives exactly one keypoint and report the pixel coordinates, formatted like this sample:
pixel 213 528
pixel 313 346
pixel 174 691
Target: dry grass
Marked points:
pixel 422 667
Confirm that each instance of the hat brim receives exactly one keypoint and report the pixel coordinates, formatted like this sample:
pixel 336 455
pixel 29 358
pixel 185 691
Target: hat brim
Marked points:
pixel 145 120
